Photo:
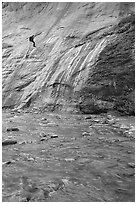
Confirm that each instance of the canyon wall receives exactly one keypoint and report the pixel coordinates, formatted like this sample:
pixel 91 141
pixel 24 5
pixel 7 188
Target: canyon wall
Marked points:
pixel 83 60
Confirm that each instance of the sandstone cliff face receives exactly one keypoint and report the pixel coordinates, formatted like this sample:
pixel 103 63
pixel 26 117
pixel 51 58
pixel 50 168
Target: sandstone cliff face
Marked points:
pixel 84 56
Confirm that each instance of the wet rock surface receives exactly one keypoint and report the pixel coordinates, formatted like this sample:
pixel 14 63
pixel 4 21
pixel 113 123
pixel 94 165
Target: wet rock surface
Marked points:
pixel 12 129
pixel 81 158
pixel 84 57
pixel 8 142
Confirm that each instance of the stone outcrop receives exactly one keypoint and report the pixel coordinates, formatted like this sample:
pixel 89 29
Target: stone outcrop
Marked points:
pixel 83 59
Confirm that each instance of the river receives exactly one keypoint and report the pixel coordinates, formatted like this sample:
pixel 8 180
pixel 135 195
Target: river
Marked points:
pixel 62 157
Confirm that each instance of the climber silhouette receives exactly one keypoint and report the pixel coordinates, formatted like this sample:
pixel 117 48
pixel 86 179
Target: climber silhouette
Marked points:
pixel 31 39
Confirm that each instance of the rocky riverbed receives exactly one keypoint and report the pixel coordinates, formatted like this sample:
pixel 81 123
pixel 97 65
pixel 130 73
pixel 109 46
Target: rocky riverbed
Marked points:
pixel 55 157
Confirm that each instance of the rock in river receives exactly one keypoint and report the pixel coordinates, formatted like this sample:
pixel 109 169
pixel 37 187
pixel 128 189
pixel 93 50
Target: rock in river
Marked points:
pixel 8 142
pixel 12 129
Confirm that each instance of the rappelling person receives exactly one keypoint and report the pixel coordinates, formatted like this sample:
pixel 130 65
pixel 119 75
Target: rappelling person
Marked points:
pixel 31 39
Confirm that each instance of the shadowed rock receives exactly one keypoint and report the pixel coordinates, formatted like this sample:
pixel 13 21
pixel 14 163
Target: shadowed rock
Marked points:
pixel 12 129
pixel 9 142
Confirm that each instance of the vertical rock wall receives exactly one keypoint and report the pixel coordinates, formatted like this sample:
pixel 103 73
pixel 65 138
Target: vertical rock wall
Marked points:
pixel 84 55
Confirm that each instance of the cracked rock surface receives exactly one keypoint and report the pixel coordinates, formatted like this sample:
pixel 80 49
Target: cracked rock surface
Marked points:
pixel 83 59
